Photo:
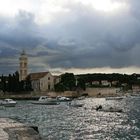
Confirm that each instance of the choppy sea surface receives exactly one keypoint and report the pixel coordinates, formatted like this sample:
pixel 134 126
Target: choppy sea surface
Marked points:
pixel 63 122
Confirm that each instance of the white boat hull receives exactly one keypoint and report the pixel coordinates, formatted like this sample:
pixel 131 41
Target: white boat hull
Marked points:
pixel 114 98
pixel 9 105
pixel 111 110
pixel 44 103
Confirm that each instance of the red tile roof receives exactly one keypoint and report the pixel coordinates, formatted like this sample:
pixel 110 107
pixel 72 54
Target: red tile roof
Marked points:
pixel 38 75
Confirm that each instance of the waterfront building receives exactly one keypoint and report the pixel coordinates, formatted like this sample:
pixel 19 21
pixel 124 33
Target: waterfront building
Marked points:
pixel 23 70
pixel 96 83
pixel 136 88
pixel 105 83
pixel 43 81
pixel 114 83
pixel 40 81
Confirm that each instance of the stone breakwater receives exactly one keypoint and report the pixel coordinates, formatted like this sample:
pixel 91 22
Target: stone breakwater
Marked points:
pixel 13 130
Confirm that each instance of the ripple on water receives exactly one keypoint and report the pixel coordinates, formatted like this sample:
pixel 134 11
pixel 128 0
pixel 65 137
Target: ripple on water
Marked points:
pixel 67 123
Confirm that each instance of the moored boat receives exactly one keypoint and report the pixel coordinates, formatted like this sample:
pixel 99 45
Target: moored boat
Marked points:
pixel 8 103
pixel 45 100
pixel 114 98
pixel 63 99
pixel 81 98
pixel 135 95
pixel 111 109
pixel 75 104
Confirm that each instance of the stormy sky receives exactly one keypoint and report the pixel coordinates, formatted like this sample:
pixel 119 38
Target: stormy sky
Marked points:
pixel 80 36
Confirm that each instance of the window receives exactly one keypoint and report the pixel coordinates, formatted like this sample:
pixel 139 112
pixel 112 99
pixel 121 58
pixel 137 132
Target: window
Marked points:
pixel 49 87
pixel 48 78
pixel 25 64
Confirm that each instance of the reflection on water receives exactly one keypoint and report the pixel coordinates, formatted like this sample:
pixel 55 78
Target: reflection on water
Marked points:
pixel 61 122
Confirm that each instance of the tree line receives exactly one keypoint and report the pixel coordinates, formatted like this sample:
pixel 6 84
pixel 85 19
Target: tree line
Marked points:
pixel 11 83
pixel 69 81
pixel 121 78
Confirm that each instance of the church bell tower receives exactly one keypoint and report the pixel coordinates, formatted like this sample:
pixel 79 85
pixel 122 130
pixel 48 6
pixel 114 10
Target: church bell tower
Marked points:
pixel 23 61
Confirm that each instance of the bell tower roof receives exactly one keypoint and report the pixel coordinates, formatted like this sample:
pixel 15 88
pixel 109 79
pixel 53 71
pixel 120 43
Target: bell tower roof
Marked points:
pixel 23 52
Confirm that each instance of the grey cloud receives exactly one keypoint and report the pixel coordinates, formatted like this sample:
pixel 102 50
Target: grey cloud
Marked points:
pixel 82 38
pixel 20 32
pixel 101 40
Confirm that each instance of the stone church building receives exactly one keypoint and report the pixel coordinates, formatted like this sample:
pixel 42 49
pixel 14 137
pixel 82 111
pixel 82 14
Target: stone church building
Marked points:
pixel 40 81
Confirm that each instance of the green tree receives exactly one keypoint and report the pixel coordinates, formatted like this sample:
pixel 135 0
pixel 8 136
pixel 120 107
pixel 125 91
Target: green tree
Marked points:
pixel 28 85
pixel 81 83
pixel 10 83
pixel 3 83
pixel 67 82
pixel 59 87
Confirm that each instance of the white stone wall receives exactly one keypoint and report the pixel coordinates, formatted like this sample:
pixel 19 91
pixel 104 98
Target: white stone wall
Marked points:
pixel 44 84
pixel 101 91
pixel 47 83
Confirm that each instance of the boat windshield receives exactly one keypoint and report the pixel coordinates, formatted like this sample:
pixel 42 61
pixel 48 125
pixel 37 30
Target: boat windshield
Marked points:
pixel 8 100
pixel 43 98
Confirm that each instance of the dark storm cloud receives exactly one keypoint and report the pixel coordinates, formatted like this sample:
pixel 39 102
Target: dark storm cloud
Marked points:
pixel 16 34
pixel 100 40
pixel 80 38
pixel 19 32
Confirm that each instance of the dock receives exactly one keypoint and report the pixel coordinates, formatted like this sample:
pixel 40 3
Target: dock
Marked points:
pixel 13 130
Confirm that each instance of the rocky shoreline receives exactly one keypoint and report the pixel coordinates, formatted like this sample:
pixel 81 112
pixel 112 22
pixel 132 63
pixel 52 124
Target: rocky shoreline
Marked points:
pixel 13 130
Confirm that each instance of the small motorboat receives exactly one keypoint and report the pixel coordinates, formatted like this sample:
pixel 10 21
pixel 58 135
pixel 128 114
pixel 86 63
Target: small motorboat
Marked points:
pixel 111 109
pixel 75 104
pixel 81 98
pixel 45 100
pixel 63 99
pixel 135 95
pixel 8 103
pixel 114 98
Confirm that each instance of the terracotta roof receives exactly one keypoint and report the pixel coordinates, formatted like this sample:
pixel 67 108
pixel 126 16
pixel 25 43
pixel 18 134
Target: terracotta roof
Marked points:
pixel 38 75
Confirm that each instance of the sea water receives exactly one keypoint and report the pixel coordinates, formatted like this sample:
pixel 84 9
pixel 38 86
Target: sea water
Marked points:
pixel 63 122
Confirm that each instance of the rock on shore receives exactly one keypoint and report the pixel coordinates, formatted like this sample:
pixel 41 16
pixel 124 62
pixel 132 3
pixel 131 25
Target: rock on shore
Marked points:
pixel 12 130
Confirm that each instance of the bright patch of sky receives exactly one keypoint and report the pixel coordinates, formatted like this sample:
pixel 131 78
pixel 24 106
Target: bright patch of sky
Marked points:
pixel 46 10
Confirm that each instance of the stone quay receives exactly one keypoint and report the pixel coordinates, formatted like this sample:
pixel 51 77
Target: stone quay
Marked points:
pixel 13 130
